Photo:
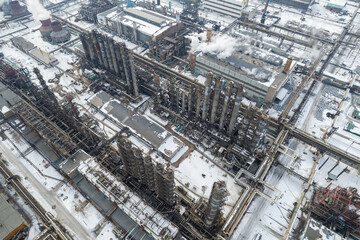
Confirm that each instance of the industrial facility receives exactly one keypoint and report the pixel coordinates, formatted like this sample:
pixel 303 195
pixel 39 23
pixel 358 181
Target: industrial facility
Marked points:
pixel 223 120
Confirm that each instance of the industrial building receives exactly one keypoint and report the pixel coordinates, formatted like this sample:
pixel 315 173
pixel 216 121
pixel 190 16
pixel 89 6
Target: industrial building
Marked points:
pixel 11 222
pixel 300 4
pixel 89 11
pixel 232 8
pixel 139 24
pixel 261 74
pixel 182 125
pixel 35 52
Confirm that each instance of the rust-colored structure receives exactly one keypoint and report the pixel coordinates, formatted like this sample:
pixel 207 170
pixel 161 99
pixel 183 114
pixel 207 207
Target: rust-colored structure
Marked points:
pixel 339 208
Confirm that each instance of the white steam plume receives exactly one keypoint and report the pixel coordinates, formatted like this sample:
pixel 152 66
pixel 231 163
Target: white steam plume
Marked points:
pixel 3 1
pixel 221 45
pixel 37 9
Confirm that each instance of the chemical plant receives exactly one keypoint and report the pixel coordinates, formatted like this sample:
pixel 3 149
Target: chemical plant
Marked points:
pixel 137 119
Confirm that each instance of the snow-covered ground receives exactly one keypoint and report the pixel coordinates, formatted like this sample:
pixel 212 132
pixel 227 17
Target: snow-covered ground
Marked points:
pixel 268 219
pixel 48 187
pixel 197 174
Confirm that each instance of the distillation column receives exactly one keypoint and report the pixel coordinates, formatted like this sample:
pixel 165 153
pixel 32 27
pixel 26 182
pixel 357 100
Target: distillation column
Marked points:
pixel 165 184
pixel 189 102
pixel 150 173
pixel 214 207
pixel 108 55
pixel 235 111
pixel 208 82
pixel 133 75
pixel 97 49
pixel 226 103
pixel 198 103
pixel 215 100
pixel 127 74
pixel 113 55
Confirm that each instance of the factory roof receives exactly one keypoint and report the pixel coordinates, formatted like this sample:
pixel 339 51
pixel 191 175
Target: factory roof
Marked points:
pixel 10 219
pixel 74 162
pixel 262 74
pixel 21 43
pixel 43 56
pixel 7 97
pixel 145 21
pixel 147 16
pixel 149 130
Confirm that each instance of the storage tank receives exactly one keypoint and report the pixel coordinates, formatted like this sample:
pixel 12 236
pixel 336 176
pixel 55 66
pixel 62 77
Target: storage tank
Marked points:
pixel 59 34
pixel 46 29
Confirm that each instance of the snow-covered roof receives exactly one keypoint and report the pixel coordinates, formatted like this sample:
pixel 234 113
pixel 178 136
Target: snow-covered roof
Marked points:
pixel 153 222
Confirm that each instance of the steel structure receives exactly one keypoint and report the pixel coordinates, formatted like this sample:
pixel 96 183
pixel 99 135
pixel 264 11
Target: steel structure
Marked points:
pixel 339 208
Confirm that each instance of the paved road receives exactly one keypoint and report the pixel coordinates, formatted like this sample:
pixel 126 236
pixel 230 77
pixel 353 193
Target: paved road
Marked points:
pixel 63 215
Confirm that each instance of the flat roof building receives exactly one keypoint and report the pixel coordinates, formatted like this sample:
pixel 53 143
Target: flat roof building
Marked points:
pixel 300 4
pixel 11 222
pixel 232 8
pixel 138 23
pixel 260 72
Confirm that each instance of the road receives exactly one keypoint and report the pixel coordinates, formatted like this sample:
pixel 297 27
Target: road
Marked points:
pixel 63 215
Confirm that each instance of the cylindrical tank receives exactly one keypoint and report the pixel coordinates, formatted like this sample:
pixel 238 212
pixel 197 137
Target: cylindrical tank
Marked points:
pixel 59 34
pixel 46 28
